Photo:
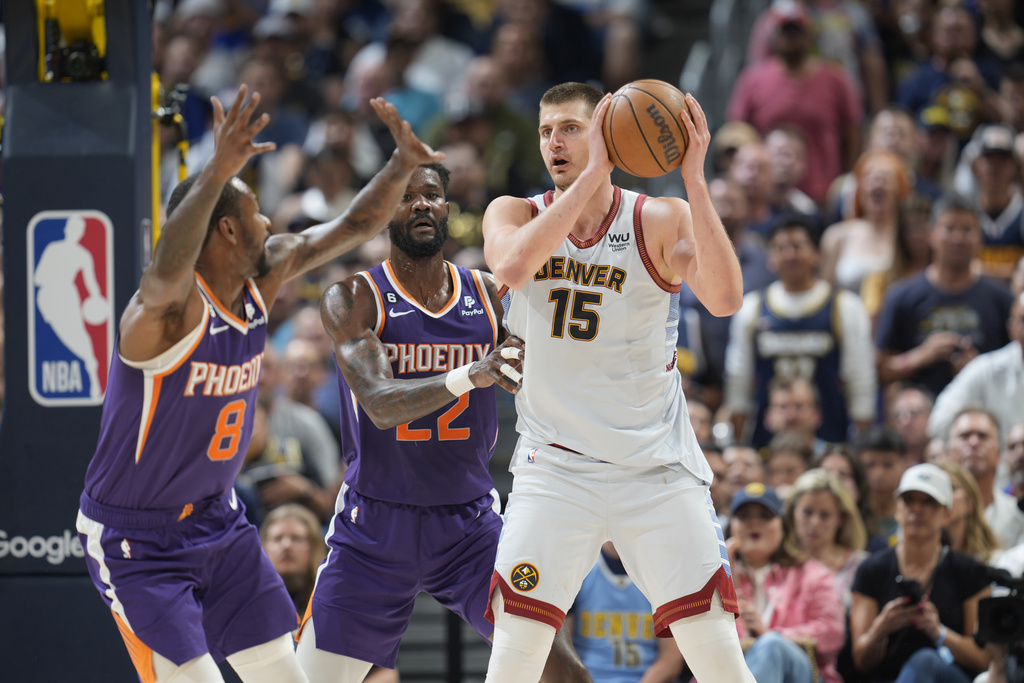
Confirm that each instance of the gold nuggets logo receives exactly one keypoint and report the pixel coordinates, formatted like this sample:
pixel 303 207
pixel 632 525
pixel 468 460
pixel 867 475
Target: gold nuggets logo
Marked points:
pixel 525 577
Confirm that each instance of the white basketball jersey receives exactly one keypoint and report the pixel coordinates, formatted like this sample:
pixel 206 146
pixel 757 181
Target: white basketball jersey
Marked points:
pixel 600 327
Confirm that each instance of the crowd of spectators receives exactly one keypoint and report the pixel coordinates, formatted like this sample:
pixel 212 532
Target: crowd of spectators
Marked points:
pixel 869 174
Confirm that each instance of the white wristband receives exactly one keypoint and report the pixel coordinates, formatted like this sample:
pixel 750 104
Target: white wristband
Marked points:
pixel 458 381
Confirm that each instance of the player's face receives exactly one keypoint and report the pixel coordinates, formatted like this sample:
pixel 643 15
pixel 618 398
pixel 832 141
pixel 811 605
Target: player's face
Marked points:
pixel 255 231
pixel 563 140
pixel 419 227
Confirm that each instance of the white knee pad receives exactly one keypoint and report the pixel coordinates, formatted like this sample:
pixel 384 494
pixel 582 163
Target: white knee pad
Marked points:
pixel 711 645
pixel 321 666
pixel 271 662
pixel 202 669
pixel 520 649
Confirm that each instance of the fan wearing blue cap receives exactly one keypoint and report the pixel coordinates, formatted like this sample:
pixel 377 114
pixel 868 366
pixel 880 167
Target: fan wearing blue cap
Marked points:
pixel 790 612
pixel 915 605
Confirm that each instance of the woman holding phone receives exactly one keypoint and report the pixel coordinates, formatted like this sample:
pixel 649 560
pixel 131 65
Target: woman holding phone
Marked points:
pixel 915 606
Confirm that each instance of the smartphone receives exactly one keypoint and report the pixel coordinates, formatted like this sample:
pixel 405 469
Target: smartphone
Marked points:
pixel 910 588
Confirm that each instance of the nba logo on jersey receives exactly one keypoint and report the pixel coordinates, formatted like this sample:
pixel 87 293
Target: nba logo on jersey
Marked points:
pixel 70 306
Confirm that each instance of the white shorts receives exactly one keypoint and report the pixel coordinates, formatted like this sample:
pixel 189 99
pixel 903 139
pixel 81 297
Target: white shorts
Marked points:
pixel 564 506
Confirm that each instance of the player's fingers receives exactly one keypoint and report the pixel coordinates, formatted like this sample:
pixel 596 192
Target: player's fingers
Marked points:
pixel 261 147
pixel 218 112
pixel 259 124
pixel 250 107
pixel 236 106
pixel 512 353
pixel 511 373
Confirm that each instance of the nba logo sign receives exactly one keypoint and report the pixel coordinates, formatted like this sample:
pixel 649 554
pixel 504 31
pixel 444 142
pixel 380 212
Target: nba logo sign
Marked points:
pixel 70 306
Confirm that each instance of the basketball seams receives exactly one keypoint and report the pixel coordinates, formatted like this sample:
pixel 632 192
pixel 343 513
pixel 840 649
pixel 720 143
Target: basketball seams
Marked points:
pixel 643 133
pixel 651 103
pixel 668 108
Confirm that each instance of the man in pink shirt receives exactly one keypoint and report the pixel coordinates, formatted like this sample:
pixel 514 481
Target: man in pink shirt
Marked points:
pixel 796 88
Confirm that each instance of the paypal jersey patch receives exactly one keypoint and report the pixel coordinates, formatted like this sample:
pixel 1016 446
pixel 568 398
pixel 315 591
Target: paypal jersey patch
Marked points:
pixel 70 306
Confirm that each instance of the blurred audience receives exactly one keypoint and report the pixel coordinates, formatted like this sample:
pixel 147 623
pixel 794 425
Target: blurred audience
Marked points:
pixel 825 524
pixel 915 606
pixel 789 607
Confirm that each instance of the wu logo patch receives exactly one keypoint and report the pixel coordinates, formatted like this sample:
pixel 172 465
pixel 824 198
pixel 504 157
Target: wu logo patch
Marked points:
pixel 525 577
pixel 619 241
pixel 70 306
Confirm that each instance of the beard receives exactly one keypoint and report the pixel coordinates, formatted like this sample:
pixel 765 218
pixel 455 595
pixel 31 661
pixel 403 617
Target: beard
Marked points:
pixel 262 265
pixel 416 249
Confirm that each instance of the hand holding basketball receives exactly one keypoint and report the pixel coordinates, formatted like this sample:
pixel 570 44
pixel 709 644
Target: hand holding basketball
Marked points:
pixel 94 310
pixel 643 129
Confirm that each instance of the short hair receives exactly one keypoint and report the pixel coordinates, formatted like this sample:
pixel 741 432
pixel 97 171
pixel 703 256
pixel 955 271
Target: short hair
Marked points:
pixel 980 410
pixel 443 174
pixel 852 533
pixel 572 92
pixel 793 220
pixel 879 438
pixel 792 441
pixel 228 204
pixel 954 202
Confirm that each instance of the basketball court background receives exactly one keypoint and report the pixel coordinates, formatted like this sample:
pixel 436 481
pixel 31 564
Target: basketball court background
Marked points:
pixel 76 162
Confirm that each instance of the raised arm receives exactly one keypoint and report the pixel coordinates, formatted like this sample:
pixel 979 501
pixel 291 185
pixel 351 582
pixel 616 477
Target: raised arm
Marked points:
pixel 349 314
pixel 516 244
pixel 293 254
pixel 167 304
pixel 692 241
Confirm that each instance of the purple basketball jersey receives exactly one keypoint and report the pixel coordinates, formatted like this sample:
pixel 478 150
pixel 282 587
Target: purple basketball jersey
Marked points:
pixel 439 459
pixel 175 429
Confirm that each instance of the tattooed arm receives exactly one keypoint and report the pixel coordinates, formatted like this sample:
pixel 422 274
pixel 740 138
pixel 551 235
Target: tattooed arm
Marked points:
pixel 349 314
pixel 167 305
pixel 292 254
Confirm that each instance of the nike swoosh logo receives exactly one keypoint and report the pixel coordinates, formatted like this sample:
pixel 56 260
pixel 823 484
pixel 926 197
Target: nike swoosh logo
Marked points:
pixel 395 314
pixel 218 330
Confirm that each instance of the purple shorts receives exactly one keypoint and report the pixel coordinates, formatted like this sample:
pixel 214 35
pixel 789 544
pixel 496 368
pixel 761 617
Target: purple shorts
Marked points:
pixel 190 586
pixel 382 555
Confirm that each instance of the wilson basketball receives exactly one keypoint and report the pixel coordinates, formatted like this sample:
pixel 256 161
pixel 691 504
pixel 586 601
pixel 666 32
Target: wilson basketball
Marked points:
pixel 642 129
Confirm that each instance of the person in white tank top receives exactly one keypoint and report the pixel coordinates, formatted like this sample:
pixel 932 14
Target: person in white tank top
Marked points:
pixel 606 451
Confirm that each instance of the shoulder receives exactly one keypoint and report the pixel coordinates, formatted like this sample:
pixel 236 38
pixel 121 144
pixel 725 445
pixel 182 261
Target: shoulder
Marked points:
pixel 663 210
pixel 340 299
pixel 507 205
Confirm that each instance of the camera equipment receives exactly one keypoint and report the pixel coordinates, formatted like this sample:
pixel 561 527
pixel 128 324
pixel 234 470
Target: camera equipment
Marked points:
pixel 1001 619
pixel 74 41
pixel 910 588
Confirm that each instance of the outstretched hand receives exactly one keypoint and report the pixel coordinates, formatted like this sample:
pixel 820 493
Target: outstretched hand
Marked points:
pixel 409 147
pixel 698 139
pixel 503 366
pixel 233 132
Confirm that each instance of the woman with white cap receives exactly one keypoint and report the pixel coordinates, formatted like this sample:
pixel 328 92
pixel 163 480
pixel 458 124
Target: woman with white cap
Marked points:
pixel 915 606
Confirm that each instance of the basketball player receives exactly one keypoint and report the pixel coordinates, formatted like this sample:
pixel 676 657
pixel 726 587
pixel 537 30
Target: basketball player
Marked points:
pixel 166 541
pixel 416 340
pixel 606 450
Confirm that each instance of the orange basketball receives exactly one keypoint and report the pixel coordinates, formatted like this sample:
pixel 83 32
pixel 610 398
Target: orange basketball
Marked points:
pixel 642 129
